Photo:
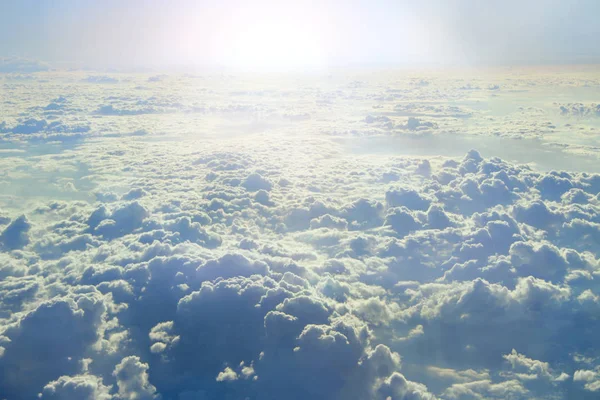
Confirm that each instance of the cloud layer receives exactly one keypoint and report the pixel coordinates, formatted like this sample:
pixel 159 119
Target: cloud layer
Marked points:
pixel 266 258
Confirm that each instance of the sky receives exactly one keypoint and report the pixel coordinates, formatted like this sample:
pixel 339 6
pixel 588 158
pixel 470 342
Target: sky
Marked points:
pixel 300 34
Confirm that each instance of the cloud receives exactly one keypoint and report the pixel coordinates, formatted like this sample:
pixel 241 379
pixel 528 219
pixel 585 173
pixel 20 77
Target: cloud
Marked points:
pixel 409 198
pixel 532 369
pixel 132 379
pixel 47 342
pixel 21 65
pixel 255 182
pixel 397 387
pixel 33 126
pixel 101 79
pixel 590 379
pixel 122 220
pixel 486 389
pixel 198 260
pixel 579 109
pixel 15 235
pixel 85 387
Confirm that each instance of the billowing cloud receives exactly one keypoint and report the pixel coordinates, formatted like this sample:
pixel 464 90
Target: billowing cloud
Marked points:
pixel 206 243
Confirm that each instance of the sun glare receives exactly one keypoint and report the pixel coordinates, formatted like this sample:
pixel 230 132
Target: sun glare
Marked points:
pixel 264 41
pixel 274 46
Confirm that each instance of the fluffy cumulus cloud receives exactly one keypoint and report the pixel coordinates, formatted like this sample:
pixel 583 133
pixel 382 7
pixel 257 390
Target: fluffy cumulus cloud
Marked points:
pixel 84 387
pixel 203 244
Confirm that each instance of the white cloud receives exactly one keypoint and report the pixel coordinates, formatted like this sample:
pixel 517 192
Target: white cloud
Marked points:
pixel 85 387
pixel 132 379
pixel 223 251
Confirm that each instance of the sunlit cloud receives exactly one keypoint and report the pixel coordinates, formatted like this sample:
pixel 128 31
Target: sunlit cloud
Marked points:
pixel 299 200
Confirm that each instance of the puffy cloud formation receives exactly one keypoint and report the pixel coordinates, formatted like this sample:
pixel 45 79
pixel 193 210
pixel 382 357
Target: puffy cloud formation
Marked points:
pixel 15 235
pixel 85 387
pixel 580 109
pixel 132 379
pixel 242 259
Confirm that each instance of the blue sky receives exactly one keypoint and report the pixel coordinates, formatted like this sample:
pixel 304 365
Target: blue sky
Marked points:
pixel 304 33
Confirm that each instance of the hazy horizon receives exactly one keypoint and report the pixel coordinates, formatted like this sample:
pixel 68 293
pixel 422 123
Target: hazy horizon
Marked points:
pixel 290 35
